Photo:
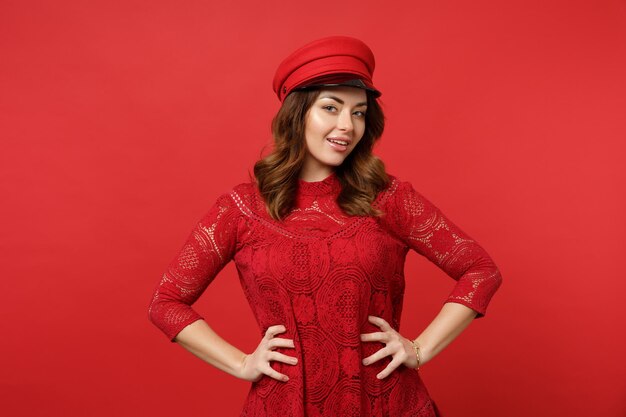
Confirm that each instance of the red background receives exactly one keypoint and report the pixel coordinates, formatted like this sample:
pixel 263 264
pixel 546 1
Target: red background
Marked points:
pixel 121 122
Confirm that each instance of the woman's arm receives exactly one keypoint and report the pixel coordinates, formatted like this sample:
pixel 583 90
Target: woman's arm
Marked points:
pixel 199 339
pixel 208 248
pixel 424 228
pixel 447 325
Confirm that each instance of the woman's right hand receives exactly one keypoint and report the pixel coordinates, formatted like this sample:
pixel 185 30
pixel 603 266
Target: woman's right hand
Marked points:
pixel 257 363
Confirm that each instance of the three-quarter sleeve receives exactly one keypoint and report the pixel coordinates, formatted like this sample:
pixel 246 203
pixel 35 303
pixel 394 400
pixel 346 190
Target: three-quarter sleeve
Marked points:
pixel 425 229
pixel 208 248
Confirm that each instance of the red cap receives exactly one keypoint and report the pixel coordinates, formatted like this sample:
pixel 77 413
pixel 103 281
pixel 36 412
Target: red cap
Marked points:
pixel 334 60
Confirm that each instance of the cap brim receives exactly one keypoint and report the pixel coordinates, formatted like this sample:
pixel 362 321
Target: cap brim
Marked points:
pixel 350 83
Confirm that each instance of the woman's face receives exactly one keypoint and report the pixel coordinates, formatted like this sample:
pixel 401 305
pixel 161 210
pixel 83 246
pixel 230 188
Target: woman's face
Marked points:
pixel 338 114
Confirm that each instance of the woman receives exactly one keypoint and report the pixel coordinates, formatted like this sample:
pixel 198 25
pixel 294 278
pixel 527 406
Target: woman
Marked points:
pixel 319 239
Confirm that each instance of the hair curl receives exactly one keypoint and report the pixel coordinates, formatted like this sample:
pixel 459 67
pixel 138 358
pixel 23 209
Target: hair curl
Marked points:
pixel 362 175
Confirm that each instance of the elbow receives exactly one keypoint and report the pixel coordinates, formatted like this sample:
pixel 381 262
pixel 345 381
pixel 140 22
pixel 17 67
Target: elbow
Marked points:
pixel 159 308
pixel 496 277
pixel 170 315
pixel 491 280
pixel 153 308
pixel 477 287
pixel 489 272
pixel 159 314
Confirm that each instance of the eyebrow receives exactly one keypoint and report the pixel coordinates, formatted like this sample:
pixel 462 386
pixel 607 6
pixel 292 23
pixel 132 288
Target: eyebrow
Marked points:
pixel 340 101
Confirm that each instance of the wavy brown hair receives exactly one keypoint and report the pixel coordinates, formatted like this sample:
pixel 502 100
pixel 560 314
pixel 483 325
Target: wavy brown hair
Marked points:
pixel 362 175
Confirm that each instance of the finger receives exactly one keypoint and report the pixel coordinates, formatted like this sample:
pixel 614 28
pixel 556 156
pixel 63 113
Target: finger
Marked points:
pixel 280 342
pixel 271 372
pixel 281 357
pixel 380 322
pixel 378 355
pixel 375 337
pixel 274 330
pixel 389 369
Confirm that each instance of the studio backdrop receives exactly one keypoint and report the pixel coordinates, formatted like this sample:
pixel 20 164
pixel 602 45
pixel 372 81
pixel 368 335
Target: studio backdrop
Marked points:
pixel 122 121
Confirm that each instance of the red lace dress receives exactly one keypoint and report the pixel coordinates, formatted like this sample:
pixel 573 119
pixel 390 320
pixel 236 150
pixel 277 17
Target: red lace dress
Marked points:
pixel 320 273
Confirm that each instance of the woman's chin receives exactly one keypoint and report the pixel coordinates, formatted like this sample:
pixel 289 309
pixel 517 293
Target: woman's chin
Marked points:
pixel 335 160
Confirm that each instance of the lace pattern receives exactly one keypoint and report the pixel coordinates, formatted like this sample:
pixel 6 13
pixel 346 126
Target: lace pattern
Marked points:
pixel 320 273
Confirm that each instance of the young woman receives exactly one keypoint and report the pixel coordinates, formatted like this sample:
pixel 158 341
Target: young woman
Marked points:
pixel 319 238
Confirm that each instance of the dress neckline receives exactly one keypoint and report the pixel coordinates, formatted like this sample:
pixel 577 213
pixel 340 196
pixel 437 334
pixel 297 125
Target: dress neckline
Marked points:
pixel 329 185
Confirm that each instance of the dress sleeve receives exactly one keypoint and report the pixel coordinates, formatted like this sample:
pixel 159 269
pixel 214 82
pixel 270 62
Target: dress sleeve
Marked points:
pixel 425 229
pixel 208 248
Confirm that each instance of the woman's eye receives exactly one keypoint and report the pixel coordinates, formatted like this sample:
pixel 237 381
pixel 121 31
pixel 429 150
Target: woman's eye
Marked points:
pixel 329 108
pixel 360 113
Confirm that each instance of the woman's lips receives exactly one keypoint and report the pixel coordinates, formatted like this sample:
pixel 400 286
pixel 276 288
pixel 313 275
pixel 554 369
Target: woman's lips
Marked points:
pixel 336 146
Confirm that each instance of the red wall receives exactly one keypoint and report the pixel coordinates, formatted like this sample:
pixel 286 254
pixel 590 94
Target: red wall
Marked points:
pixel 121 121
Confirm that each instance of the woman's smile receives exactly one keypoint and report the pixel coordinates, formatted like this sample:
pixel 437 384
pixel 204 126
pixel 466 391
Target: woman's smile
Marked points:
pixel 340 145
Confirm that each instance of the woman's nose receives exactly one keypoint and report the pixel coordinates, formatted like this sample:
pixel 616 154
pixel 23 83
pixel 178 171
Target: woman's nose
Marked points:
pixel 344 121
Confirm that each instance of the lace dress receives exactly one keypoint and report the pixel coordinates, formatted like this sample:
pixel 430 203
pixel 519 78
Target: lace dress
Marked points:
pixel 320 273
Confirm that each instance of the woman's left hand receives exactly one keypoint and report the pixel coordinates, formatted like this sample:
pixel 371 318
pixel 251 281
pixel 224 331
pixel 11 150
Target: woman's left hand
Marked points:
pixel 400 348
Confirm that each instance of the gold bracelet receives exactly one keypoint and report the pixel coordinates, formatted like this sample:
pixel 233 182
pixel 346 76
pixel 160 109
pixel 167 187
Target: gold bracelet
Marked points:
pixel 416 348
